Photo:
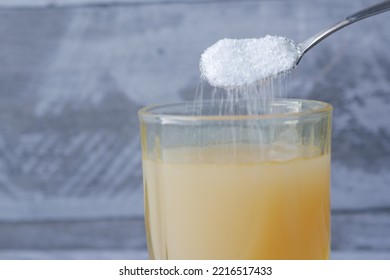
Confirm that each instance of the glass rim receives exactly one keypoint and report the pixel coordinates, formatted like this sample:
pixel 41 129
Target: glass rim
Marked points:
pixel 148 112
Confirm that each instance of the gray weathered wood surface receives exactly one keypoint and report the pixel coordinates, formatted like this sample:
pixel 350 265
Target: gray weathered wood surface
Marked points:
pixel 74 73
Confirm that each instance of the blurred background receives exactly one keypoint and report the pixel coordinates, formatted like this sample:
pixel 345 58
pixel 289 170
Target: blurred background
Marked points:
pixel 73 74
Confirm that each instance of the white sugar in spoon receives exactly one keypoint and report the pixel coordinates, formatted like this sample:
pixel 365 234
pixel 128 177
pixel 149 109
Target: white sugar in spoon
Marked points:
pixel 232 63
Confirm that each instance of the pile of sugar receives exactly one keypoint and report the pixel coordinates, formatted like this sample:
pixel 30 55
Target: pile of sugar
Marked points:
pixel 232 63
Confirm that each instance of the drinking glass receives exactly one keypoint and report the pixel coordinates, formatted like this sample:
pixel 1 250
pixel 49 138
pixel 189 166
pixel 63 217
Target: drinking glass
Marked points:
pixel 223 183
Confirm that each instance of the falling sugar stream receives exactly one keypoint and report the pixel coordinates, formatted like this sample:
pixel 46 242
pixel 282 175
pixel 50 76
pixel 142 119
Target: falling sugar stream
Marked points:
pixel 247 100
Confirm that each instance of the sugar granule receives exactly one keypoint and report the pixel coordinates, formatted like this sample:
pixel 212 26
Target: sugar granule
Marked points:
pixel 233 63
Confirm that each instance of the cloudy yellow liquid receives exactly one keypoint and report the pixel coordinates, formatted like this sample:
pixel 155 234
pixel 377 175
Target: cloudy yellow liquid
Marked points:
pixel 198 208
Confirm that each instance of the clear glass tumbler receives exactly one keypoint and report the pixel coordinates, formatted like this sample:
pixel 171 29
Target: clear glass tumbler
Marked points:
pixel 225 184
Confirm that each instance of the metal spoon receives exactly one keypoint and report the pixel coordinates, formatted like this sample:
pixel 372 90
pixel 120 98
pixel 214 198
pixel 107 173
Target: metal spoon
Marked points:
pixel 306 45
pixel 231 63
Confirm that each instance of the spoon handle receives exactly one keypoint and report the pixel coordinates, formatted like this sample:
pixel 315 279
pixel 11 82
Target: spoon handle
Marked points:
pixel 362 14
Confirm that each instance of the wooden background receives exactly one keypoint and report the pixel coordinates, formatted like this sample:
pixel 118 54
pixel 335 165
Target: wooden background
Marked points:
pixel 74 73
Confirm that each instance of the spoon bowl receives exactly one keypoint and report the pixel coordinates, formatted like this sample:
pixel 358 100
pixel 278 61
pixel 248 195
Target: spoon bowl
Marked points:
pixel 233 63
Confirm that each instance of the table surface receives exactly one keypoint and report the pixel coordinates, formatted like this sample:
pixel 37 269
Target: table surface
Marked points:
pixel 142 255
pixel 124 238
